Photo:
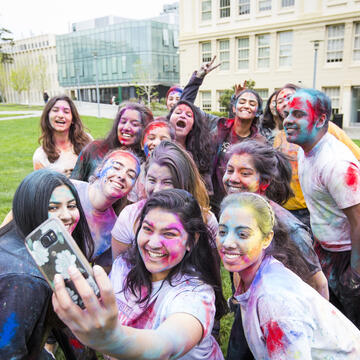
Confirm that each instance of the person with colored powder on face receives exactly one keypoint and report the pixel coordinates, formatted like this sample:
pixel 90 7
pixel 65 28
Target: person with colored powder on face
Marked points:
pixel 283 317
pixel 112 180
pixel 296 204
pixel 125 134
pixel 62 136
pixel 155 132
pixel 261 169
pixel 26 315
pixel 329 176
pixel 193 134
pixel 165 295
pixel 173 96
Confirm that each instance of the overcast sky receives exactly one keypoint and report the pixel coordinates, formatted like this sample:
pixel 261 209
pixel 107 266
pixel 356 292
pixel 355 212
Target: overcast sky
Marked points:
pixel 26 18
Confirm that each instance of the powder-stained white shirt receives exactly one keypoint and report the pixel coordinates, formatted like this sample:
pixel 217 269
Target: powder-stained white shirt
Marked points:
pixel 284 318
pixel 330 180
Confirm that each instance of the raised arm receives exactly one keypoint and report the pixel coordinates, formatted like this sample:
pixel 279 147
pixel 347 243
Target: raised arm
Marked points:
pixel 98 326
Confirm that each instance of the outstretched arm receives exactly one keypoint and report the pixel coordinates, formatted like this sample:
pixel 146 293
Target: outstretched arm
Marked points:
pixel 98 326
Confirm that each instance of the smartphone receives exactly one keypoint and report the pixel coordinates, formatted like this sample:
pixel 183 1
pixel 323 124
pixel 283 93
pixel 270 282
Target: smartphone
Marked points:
pixel 54 250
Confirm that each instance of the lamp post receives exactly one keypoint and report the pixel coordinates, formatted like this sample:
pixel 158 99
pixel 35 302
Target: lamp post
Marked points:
pixel 97 83
pixel 316 48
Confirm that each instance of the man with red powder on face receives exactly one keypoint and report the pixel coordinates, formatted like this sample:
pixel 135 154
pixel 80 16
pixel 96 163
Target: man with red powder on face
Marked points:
pixel 330 180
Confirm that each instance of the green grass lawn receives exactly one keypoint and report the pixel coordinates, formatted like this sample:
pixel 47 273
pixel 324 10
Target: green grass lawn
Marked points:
pixel 14 107
pixel 9 115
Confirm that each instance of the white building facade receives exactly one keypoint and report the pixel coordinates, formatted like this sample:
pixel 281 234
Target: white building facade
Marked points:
pixel 38 55
pixel 272 42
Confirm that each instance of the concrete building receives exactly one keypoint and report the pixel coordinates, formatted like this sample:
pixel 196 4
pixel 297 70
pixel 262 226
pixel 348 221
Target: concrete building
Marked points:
pixel 119 54
pixel 273 42
pixel 37 55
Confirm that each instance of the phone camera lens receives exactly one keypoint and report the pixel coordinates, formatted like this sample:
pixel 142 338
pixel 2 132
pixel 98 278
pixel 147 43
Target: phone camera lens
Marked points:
pixel 48 239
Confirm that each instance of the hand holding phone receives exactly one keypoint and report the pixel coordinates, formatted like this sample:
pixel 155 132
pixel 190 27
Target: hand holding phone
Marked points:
pixel 54 250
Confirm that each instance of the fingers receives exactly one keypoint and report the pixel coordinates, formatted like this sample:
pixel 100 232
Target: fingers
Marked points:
pixel 214 67
pixel 106 290
pixel 212 60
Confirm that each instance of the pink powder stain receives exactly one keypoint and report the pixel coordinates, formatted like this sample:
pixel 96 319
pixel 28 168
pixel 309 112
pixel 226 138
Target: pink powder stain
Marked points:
pixel 297 103
pixel 352 176
pixel 274 340
pixel 312 114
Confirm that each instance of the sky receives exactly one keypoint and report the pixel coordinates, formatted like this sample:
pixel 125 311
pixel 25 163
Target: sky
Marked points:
pixel 26 18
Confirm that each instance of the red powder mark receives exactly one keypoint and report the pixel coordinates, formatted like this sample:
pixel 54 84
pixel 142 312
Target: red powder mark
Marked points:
pixel 312 115
pixel 263 188
pixel 76 344
pixel 297 103
pixel 351 176
pixel 274 337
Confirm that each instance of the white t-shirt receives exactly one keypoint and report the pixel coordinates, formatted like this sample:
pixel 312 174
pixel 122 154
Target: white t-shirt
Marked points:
pixel 100 222
pixel 125 226
pixel 330 180
pixel 284 318
pixel 185 295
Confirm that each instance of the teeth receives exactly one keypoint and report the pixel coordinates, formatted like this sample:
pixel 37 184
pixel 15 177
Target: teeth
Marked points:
pixel 232 256
pixel 126 135
pixel 156 255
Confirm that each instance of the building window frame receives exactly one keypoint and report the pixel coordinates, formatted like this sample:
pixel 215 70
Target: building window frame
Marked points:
pixel 243 53
pixel 244 7
pixel 263 51
pixel 264 5
pixel 335 35
pixel 206 54
pixel 224 54
pixel 333 92
pixel 206 11
pixel 285 49
pixel 224 9
pixel 356 49
pixel 287 3
pixel 206 100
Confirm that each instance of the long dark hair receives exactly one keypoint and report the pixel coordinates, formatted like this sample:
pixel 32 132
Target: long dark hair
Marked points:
pixel 199 262
pixel 31 203
pixel 198 141
pixel 268 121
pixel 272 165
pixel 281 247
pixel 112 140
pixel 77 135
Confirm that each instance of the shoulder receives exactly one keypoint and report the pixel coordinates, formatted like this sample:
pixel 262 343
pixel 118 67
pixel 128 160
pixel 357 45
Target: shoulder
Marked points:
pixel 39 154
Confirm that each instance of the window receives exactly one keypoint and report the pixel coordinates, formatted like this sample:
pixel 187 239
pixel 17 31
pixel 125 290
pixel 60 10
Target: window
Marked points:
pixel 176 38
pixel 123 63
pixel 224 8
pixel 243 53
pixel 335 43
pixel 263 51
pixel 356 53
pixel 264 94
pixel 166 63
pixel 205 10
pixel 206 52
pixel 285 48
pixel 224 54
pixel 219 94
pixel 334 94
pixel 114 66
pixel 287 3
pixel 264 5
pixel 165 37
pixel 206 100
pixel 104 66
pixel 244 7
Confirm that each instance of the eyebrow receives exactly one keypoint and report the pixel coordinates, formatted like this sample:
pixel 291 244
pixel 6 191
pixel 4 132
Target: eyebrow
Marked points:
pixel 59 202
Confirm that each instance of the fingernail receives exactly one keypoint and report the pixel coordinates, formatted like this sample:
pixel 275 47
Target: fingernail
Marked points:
pixel 72 270
pixel 57 279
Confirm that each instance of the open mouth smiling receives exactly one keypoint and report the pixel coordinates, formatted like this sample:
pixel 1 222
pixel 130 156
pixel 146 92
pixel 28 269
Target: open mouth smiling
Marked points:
pixel 181 124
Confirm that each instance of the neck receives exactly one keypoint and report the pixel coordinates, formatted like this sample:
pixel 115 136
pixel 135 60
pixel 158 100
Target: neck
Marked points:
pixel 278 123
pixel 97 198
pixel 62 140
pixel 181 141
pixel 247 276
pixel 242 127
pixel 307 147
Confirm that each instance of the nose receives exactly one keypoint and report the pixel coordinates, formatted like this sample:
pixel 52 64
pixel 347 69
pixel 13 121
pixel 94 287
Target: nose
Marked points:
pixel 64 214
pixel 127 126
pixel 154 241
pixel 228 241
pixel 156 142
pixel 121 174
pixel 158 187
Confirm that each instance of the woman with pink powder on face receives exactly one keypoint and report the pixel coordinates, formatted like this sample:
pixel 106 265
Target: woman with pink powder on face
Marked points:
pixel 164 305
pixel 283 317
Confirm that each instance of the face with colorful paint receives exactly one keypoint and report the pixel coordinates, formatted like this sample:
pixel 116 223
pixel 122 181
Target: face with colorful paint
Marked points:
pixel 162 242
pixel 60 116
pixel 154 136
pixel 273 105
pixel 172 99
pixel 240 242
pixel 241 175
pixel 246 106
pixel 282 101
pixel 182 119
pixel 118 175
pixel 301 124
pixel 129 127
pixel 158 178
pixel 62 204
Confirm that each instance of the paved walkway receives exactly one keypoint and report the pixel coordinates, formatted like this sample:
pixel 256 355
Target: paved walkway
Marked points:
pixel 24 114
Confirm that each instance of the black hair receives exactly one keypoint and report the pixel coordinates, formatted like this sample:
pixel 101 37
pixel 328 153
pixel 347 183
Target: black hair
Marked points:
pixel 199 262
pixel 31 206
pixel 272 165
pixel 268 121
pixel 198 141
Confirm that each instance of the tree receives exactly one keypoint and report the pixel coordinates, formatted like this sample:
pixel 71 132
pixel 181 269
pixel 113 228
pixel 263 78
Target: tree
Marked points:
pixel 20 79
pixel 225 98
pixel 3 81
pixel 144 85
pixel 5 39
pixel 40 74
